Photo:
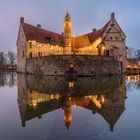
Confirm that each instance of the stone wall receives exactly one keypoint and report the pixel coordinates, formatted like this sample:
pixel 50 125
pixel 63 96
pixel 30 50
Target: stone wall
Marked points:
pixel 81 65
pixel 21 50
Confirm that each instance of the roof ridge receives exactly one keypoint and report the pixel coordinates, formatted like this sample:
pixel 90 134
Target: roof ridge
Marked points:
pixel 41 28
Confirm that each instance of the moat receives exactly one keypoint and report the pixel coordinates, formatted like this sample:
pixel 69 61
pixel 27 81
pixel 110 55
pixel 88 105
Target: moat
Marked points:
pixel 69 108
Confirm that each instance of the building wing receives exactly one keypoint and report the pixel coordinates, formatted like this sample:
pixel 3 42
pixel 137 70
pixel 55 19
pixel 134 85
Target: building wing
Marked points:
pixel 41 35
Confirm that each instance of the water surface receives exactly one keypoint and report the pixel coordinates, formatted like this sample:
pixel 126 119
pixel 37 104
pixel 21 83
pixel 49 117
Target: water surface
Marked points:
pixel 69 108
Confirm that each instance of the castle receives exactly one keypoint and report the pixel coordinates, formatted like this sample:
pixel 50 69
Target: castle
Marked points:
pixel 99 52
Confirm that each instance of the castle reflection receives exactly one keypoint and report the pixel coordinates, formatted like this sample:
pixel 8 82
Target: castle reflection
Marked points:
pixel 40 95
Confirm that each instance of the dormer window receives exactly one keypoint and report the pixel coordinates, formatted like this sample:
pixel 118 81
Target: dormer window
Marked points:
pixel 48 37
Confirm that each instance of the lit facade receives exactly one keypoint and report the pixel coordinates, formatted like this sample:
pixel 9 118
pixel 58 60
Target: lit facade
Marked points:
pixel 36 42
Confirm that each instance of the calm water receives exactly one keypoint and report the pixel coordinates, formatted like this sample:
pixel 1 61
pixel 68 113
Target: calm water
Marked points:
pixel 62 108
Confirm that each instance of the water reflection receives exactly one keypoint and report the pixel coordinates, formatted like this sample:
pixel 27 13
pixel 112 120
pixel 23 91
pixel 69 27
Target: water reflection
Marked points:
pixel 40 95
pixel 7 79
pixel 133 82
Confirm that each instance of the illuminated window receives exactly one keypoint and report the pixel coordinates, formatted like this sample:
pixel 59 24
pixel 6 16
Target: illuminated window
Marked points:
pixel 71 84
pixel 51 47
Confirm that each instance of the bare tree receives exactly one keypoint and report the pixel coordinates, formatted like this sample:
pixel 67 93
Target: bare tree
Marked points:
pixel 2 59
pixel 137 53
pixel 130 52
pixel 11 56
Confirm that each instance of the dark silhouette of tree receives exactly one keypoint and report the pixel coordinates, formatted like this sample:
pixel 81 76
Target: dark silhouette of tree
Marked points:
pixel 130 52
pixel 2 59
pixel 3 79
pixel 11 56
pixel 12 80
pixel 137 53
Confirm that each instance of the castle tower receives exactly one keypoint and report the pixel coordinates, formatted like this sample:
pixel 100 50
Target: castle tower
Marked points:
pixel 67 34
pixel 68 112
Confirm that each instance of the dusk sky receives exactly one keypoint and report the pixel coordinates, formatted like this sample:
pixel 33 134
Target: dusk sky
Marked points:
pixel 85 15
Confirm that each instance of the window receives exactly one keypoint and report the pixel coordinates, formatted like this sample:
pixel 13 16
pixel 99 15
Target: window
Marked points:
pixel 22 54
pixel 107 52
pixel 30 55
pixel 116 38
pixel 112 25
pixel 39 54
pixel 110 37
pixel 30 44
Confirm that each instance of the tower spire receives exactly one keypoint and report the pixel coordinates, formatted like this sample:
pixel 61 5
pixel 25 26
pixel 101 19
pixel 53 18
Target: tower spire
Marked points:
pixel 67 33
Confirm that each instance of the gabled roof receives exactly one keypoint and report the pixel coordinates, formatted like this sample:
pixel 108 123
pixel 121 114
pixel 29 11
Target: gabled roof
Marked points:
pixel 93 36
pixel 81 41
pixel 88 39
pixel 42 35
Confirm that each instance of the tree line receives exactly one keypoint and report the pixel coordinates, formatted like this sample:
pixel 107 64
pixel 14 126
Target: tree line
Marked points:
pixel 7 60
pixel 133 53
pixel 7 79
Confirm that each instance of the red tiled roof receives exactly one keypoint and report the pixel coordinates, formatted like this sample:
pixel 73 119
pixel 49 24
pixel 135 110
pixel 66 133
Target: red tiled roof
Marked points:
pixel 45 36
pixel 81 41
pixel 42 35
pixel 98 33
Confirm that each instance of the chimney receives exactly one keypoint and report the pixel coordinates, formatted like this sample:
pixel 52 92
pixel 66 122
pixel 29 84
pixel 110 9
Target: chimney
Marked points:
pixel 62 34
pixel 22 20
pixel 94 30
pixel 112 15
pixel 38 25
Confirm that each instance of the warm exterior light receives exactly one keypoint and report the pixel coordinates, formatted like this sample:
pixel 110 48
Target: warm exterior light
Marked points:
pixel 71 65
pixel 51 47
pixel 102 99
pixel 98 41
pixel 71 84
pixel 95 100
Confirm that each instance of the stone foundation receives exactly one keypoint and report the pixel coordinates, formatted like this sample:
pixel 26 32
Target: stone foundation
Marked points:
pixel 83 65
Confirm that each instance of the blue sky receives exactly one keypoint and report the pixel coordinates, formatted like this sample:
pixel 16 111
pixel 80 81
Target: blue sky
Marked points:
pixel 85 14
